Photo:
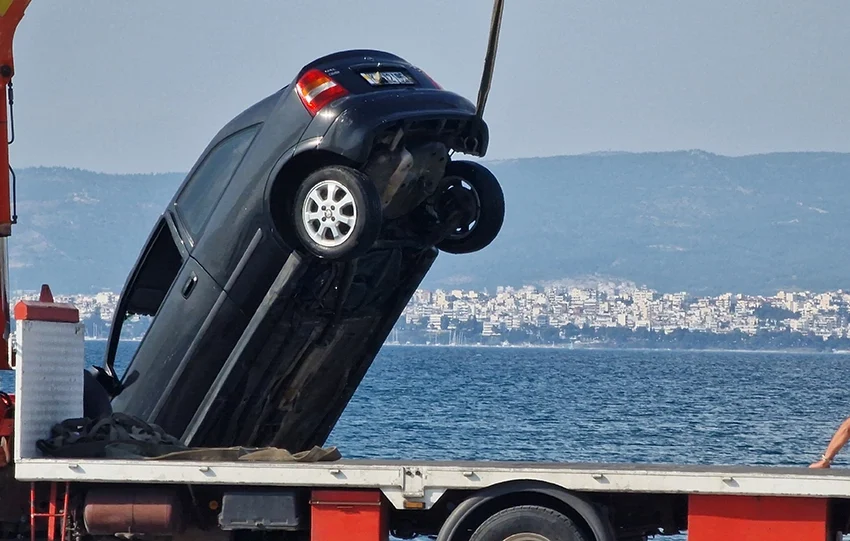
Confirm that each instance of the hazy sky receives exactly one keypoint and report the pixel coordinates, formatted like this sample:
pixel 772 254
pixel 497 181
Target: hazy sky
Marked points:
pixel 130 86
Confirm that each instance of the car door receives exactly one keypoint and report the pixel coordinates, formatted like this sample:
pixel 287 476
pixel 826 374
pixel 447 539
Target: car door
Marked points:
pixel 185 306
pixel 203 326
pixel 197 324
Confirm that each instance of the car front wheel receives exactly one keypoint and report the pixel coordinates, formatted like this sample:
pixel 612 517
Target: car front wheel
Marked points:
pixel 337 213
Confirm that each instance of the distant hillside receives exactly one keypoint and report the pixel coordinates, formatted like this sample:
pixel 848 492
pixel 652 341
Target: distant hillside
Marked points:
pixel 82 231
pixel 674 221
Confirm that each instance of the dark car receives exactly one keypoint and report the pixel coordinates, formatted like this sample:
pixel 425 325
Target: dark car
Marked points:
pixel 291 248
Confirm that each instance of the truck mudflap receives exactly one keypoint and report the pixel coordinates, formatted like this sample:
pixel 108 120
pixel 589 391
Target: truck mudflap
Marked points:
pixel 354 515
pixel 712 517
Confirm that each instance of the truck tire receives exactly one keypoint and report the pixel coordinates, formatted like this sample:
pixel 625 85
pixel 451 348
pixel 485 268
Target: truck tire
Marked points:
pixel 337 213
pixel 528 523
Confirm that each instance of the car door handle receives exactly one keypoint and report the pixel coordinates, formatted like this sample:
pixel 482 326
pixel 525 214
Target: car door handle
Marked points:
pixel 189 286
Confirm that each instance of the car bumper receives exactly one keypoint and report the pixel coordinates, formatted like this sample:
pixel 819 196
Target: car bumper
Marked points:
pixel 351 126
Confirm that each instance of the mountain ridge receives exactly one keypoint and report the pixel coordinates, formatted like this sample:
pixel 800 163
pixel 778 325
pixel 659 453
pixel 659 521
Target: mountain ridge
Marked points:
pixel 686 220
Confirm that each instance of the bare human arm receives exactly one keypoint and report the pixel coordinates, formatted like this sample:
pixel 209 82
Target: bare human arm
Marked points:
pixel 839 439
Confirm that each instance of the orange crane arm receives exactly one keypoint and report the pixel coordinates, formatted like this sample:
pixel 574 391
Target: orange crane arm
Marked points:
pixel 11 13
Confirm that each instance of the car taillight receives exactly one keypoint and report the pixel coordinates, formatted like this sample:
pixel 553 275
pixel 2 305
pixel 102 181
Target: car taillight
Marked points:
pixel 435 83
pixel 317 90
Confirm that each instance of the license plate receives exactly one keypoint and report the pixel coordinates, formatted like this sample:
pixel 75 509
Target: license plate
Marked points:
pixel 383 78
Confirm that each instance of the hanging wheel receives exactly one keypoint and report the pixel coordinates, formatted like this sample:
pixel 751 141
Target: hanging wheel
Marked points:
pixel 472 200
pixel 337 213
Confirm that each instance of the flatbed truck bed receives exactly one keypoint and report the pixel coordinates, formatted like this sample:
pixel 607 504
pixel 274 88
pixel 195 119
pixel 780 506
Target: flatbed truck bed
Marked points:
pixel 427 481
pixel 367 500
pixel 631 501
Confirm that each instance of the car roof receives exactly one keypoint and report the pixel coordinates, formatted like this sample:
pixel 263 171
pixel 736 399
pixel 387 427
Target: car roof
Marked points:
pixel 255 114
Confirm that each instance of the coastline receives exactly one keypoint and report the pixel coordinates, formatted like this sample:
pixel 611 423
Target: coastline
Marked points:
pixel 624 348
pixel 588 347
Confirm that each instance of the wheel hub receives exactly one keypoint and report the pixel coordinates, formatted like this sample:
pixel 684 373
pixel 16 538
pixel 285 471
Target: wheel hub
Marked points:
pixel 329 213
pixel 461 199
pixel 526 537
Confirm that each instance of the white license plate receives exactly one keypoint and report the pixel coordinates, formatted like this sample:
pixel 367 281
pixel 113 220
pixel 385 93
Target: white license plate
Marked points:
pixel 382 78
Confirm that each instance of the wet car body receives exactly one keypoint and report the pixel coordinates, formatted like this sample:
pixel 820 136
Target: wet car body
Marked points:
pixel 256 339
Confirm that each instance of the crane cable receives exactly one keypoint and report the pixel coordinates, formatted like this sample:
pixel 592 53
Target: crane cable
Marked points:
pixel 490 58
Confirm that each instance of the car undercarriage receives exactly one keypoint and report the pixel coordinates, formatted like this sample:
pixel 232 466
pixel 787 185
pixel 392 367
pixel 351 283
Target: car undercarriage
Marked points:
pixel 323 334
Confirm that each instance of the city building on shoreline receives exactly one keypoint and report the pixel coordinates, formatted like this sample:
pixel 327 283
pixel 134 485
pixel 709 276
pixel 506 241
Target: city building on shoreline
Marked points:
pixel 488 315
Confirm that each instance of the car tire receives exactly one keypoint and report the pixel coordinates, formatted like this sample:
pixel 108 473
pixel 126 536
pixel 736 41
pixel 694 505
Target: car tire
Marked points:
pixel 529 522
pixel 483 186
pixel 337 213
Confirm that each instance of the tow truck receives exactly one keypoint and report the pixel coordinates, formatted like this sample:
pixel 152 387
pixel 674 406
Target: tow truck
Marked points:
pixel 244 492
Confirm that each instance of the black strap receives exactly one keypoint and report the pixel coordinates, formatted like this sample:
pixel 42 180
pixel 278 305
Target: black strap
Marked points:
pixel 84 437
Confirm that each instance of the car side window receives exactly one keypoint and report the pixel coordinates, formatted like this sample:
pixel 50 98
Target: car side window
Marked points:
pixel 157 272
pixel 200 194
pixel 144 296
